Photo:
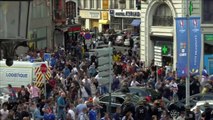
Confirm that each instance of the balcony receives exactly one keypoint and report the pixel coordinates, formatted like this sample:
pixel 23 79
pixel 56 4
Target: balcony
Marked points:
pixel 162 21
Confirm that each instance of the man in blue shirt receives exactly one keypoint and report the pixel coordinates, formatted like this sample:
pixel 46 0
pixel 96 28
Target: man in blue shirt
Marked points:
pixel 92 113
pixel 37 114
pixel 61 105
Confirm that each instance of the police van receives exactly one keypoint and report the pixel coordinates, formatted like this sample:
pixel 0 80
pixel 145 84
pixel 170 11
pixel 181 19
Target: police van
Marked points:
pixel 23 73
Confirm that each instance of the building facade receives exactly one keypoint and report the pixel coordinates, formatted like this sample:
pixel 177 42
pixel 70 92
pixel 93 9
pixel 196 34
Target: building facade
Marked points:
pixel 123 12
pixel 40 30
pixel 94 14
pixel 65 22
pixel 158 27
pixel 207 34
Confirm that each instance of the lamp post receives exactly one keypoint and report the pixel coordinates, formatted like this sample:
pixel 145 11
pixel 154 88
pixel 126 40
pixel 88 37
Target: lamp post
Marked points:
pixel 122 7
pixel 188 62
pixel 14 23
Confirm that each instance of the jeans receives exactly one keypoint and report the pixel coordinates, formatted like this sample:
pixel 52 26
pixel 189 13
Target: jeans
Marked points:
pixel 61 115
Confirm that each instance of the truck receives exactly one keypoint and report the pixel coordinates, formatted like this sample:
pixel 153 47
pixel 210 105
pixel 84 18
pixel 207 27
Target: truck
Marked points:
pixel 23 73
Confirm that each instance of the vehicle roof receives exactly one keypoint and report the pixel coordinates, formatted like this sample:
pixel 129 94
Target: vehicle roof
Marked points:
pixel 22 64
pixel 203 102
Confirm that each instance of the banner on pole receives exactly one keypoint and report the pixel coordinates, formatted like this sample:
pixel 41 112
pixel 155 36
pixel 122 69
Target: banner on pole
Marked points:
pixel 182 46
pixel 195 43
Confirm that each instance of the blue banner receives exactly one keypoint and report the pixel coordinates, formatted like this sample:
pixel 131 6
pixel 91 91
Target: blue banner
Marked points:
pixel 195 43
pixel 182 46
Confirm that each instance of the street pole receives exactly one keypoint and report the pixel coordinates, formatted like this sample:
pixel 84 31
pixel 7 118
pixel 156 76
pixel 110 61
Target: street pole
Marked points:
pixel 110 78
pixel 188 60
pixel 45 87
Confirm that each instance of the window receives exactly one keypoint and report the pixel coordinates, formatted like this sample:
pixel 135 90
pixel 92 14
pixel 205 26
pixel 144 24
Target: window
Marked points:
pixel 92 3
pixel 131 4
pixel 115 4
pixel 207 11
pixel 86 4
pixel 98 4
pixel 163 16
pixel 70 9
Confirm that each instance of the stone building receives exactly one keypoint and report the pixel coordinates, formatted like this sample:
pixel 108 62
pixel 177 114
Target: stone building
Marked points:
pixel 158 27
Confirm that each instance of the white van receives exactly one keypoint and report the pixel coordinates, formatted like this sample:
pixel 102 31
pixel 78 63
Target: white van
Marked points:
pixel 22 73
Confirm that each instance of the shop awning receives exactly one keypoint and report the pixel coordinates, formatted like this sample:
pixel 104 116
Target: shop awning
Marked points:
pixel 104 22
pixel 136 22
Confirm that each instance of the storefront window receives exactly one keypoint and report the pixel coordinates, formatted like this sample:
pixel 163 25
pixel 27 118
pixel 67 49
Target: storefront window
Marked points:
pixel 163 16
pixel 208 46
pixel 127 22
pixel 116 23
pixel 207 11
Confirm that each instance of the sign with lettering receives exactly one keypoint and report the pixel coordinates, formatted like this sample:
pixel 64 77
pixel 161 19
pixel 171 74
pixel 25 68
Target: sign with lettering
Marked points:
pixel 94 15
pixel 126 13
pixel 90 14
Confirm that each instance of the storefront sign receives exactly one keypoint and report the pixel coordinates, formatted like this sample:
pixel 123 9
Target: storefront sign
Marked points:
pixel 126 13
pixel 74 29
pixel 104 15
pixel 90 14
pixel 208 37
pixel 95 14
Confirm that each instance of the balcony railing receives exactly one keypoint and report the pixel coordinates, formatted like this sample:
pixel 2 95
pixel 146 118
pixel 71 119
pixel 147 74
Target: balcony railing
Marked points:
pixel 162 21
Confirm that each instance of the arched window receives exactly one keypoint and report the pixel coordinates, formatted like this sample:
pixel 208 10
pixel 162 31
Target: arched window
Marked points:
pixel 163 16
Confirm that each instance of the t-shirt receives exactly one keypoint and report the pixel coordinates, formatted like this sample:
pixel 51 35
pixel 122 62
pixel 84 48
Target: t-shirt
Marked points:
pixel 92 115
pixel 140 113
pixel 72 114
pixel 4 114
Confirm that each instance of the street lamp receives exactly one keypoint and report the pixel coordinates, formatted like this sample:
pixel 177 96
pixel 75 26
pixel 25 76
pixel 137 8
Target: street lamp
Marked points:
pixel 14 23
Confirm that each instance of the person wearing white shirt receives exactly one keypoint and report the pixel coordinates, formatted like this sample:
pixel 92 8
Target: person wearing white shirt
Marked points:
pixel 86 79
pixel 4 113
pixel 181 117
pixel 134 83
pixel 71 112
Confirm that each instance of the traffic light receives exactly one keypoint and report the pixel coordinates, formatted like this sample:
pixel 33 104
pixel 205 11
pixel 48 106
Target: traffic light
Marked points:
pixel 104 56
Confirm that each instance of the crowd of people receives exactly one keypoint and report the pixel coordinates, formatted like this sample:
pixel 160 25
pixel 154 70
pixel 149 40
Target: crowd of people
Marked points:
pixel 72 92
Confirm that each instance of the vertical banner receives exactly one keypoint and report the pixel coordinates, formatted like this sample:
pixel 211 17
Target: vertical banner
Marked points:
pixel 195 43
pixel 182 46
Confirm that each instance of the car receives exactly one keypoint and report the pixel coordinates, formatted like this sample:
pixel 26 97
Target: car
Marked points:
pixel 4 95
pixel 117 100
pixel 143 92
pixel 201 105
pixel 175 107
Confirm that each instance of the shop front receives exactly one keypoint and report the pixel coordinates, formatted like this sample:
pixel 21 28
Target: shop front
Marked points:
pixel 208 52
pixel 124 19
pixel 166 44
pixel 91 18
pixel 104 22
